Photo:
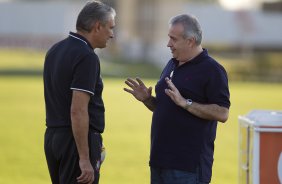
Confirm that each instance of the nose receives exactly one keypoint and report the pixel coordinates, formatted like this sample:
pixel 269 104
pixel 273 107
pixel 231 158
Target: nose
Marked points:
pixel 112 35
pixel 169 43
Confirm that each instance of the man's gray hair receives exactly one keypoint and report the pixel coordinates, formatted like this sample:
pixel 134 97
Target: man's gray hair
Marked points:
pixel 92 12
pixel 191 26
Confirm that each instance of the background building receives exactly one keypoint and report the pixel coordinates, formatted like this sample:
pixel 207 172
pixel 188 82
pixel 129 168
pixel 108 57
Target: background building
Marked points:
pixel 142 25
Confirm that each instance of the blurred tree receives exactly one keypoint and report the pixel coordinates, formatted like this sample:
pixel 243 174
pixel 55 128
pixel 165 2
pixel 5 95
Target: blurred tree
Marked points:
pixel 273 6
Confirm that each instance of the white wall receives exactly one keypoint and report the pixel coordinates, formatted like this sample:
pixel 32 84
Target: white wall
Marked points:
pixel 48 21
pixel 38 18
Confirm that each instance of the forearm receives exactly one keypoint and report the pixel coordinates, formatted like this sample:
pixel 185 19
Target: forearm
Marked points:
pixel 150 103
pixel 209 111
pixel 204 111
pixel 80 128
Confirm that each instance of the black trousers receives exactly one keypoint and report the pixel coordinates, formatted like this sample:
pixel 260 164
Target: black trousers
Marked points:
pixel 62 156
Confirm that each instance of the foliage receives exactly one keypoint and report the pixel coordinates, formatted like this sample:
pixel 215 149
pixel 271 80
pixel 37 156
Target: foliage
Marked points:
pixel 256 66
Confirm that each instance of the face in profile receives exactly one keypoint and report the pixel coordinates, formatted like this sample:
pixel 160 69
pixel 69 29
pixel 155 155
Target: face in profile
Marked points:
pixel 106 33
pixel 178 45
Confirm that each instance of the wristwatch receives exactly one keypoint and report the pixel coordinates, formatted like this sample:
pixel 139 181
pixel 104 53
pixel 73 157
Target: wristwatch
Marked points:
pixel 188 104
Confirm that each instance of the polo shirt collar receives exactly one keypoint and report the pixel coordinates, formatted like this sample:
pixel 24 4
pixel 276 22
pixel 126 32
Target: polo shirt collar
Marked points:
pixel 195 60
pixel 80 38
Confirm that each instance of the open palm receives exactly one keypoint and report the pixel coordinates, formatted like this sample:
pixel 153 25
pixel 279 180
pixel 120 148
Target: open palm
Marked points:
pixel 138 89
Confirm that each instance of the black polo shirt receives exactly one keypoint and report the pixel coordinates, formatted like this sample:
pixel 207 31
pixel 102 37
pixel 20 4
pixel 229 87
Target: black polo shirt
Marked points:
pixel 71 64
pixel 180 140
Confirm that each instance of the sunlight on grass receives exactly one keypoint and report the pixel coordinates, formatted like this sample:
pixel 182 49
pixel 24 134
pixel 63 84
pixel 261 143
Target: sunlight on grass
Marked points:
pixel 126 136
pixel 21 59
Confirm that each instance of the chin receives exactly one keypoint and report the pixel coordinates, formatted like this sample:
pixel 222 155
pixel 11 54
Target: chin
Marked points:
pixel 102 46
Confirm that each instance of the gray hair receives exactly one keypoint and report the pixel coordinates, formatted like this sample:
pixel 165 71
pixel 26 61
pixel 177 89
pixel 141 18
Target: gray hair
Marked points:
pixel 191 26
pixel 92 12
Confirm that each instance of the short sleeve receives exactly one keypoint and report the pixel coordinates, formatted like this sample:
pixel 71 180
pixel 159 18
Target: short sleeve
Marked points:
pixel 85 74
pixel 217 88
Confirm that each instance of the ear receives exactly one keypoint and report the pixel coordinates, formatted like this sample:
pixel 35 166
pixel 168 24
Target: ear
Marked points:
pixel 191 42
pixel 97 26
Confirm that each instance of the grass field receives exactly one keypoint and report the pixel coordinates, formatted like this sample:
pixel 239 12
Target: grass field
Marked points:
pixel 126 137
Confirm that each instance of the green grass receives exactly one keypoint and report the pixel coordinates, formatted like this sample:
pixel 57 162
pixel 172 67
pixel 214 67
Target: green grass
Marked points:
pixel 126 136
pixel 240 67
pixel 30 62
pixel 21 59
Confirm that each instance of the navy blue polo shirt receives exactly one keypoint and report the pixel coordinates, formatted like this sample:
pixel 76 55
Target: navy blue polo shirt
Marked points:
pixel 180 140
pixel 72 64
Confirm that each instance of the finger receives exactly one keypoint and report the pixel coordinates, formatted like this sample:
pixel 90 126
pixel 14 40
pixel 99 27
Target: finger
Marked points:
pixel 133 82
pixel 81 176
pixel 88 179
pixel 169 92
pixel 170 84
pixel 140 82
pixel 92 179
pixel 150 90
pixel 84 177
pixel 84 180
pixel 129 84
pixel 128 90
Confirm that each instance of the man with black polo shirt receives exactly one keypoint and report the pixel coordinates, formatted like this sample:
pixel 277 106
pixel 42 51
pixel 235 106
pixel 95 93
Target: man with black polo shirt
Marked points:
pixel 73 98
pixel 191 96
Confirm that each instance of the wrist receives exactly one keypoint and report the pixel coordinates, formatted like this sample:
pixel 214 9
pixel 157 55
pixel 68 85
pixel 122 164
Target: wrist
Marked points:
pixel 84 159
pixel 147 99
pixel 188 104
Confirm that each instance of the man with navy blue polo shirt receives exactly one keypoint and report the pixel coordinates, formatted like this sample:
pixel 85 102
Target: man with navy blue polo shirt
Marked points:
pixel 192 95
pixel 73 98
